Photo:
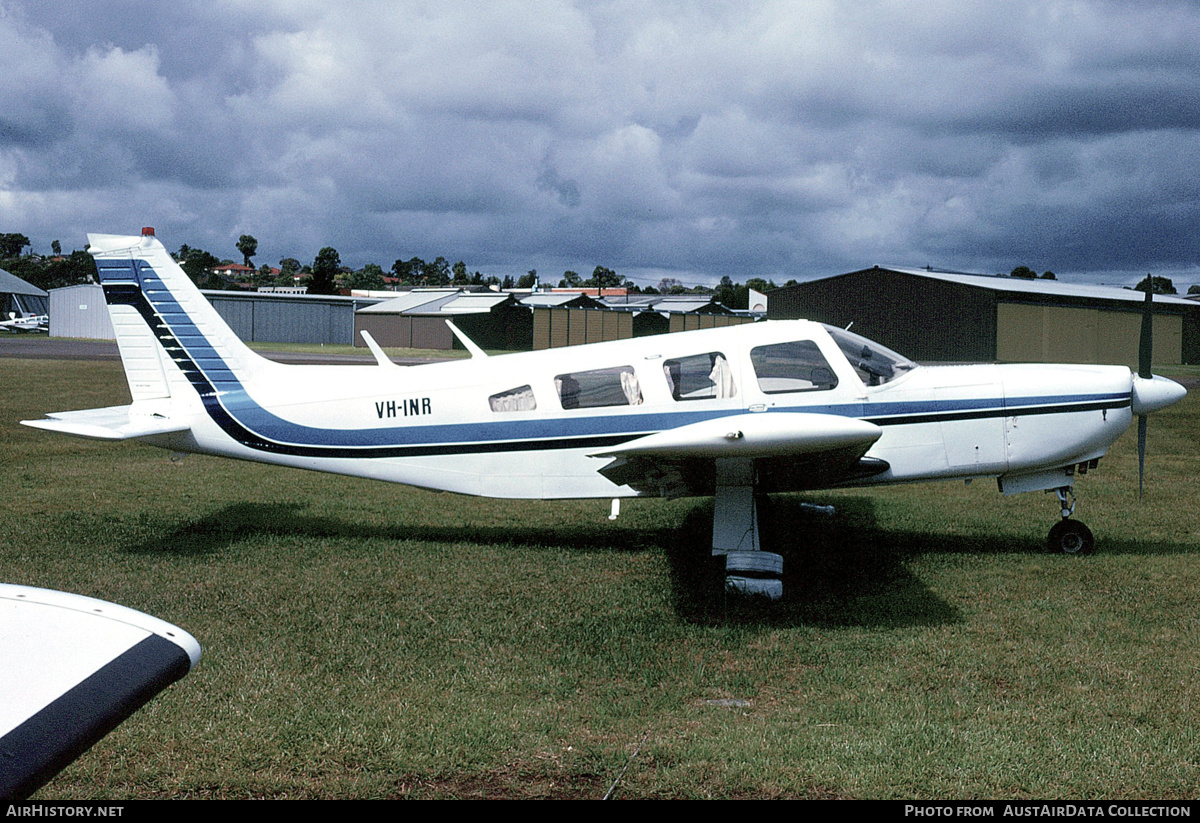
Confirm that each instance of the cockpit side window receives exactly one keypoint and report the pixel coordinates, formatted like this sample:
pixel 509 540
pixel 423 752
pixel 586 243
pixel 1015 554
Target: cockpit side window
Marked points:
pixel 518 399
pixel 874 363
pixel 792 367
pixel 617 386
pixel 700 377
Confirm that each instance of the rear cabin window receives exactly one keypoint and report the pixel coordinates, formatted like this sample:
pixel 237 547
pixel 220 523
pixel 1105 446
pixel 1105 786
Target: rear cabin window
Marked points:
pixel 792 367
pixel 700 377
pixel 617 386
pixel 518 399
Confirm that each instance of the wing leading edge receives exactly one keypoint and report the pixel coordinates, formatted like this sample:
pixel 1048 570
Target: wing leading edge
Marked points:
pixel 792 451
pixel 71 669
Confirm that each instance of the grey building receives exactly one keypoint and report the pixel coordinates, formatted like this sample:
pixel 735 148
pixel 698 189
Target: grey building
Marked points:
pixel 265 317
pixel 255 317
pixel 80 311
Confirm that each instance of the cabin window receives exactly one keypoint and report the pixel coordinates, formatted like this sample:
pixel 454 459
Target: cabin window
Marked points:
pixel 792 367
pixel 518 399
pixel 601 387
pixel 874 363
pixel 700 377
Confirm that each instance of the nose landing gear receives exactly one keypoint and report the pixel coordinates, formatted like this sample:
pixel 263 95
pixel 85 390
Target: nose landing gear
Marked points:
pixel 1069 536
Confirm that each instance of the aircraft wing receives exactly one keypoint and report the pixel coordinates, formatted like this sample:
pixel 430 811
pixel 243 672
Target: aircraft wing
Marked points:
pixel 71 669
pixel 112 423
pixel 792 450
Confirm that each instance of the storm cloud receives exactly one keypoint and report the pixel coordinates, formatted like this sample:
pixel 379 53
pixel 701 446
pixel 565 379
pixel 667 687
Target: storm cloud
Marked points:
pixel 770 139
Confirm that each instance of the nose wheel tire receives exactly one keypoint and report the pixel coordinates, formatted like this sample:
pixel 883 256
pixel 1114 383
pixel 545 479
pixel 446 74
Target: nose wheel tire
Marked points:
pixel 1070 537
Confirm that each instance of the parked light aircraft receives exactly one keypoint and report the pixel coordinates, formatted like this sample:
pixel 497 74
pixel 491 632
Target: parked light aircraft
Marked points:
pixel 25 322
pixel 730 412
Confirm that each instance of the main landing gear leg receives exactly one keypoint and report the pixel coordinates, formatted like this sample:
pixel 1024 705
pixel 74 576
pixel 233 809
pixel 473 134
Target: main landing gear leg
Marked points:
pixel 748 569
pixel 1069 536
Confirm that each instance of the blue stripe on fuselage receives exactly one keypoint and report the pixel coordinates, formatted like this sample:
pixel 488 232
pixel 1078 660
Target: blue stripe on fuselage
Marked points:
pixel 240 416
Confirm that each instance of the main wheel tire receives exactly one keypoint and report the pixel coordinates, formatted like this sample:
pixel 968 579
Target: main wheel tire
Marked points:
pixel 1070 537
pixel 754 564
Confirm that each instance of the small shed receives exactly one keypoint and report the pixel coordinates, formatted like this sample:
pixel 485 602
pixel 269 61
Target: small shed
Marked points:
pixel 417 319
pixel 563 318
pixel 80 311
pixel 663 313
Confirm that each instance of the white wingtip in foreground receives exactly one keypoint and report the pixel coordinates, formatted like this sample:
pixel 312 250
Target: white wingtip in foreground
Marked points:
pixel 71 669
pixel 731 412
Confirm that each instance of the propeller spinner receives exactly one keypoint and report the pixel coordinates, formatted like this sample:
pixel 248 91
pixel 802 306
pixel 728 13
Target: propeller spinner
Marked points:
pixel 1150 393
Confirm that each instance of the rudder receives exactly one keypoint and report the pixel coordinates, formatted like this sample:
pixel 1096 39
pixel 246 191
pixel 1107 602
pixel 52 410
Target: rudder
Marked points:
pixel 161 319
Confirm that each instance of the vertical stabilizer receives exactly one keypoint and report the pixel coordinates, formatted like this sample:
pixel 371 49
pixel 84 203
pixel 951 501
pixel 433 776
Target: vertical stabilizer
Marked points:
pixel 159 315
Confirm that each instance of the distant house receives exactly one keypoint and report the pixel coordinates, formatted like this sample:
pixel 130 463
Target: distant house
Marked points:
pixel 568 317
pixel 237 273
pixel 592 291
pixel 288 318
pixel 234 271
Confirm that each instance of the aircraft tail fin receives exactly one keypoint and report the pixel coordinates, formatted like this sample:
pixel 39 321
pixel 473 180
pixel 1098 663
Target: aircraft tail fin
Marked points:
pixel 160 318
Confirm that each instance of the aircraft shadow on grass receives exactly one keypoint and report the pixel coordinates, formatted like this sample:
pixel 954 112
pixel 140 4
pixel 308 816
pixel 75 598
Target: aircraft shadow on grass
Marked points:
pixel 238 521
pixel 839 570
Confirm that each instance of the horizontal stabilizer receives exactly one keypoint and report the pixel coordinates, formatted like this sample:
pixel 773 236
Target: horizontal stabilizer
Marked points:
pixel 753 435
pixel 112 423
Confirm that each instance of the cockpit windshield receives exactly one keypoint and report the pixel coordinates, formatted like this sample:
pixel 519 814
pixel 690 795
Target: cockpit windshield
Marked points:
pixel 874 363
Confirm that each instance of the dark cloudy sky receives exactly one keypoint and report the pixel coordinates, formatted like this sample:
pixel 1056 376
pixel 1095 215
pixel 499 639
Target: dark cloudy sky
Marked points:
pixel 658 138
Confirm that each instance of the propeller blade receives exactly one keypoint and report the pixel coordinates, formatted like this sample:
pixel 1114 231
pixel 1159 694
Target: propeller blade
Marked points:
pixel 1146 341
pixel 1141 453
pixel 1145 358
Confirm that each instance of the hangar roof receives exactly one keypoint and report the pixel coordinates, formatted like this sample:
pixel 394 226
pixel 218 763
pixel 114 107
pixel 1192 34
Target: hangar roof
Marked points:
pixel 667 303
pixel 440 302
pixel 471 303
pixel 1036 286
pixel 555 299
pixel 410 300
pixel 11 284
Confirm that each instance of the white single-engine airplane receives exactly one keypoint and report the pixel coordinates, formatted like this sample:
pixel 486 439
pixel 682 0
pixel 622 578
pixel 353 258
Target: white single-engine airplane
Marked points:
pixel 731 412
pixel 25 322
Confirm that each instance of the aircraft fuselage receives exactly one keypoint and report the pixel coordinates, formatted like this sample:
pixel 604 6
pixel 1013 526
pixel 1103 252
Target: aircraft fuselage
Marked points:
pixel 456 425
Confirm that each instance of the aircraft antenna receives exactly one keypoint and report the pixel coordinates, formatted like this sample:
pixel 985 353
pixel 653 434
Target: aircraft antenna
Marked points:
pixel 467 342
pixel 380 357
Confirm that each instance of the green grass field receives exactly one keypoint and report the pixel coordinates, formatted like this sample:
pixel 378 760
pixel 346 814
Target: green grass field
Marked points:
pixel 367 640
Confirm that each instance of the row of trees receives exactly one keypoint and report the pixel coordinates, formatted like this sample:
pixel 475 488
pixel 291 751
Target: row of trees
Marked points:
pixel 45 273
pixel 1026 273
pixel 326 274
pixel 1152 283
pixel 327 269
